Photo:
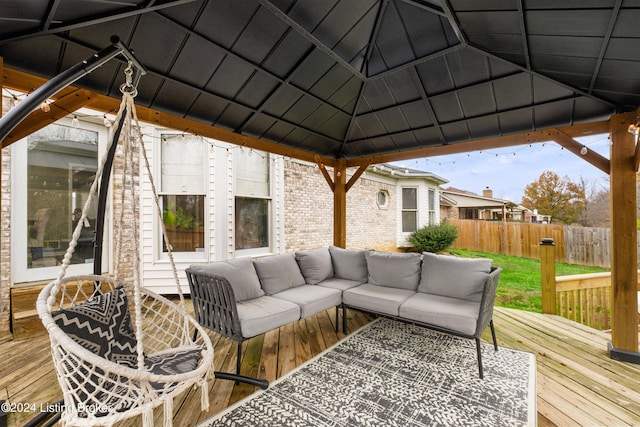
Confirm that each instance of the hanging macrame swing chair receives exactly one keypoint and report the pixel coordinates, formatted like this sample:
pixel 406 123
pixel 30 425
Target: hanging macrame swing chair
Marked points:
pixel 114 359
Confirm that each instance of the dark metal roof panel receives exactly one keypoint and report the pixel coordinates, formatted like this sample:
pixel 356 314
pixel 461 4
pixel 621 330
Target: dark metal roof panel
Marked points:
pixel 345 78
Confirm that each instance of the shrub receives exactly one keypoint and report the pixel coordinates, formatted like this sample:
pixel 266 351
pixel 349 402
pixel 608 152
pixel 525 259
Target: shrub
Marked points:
pixel 434 238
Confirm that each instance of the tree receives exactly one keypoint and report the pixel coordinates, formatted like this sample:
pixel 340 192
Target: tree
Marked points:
pixel 559 197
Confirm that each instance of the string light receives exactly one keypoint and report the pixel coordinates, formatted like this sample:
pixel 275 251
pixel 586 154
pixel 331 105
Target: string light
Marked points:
pixel 45 107
pixel 584 150
pixel 75 122
pixel 106 121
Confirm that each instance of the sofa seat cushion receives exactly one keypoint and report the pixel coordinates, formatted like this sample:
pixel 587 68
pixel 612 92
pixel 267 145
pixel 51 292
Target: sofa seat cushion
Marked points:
pixel 444 312
pixel 241 275
pixel 396 270
pixel 312 299
pixel 454 277
pixel 341 284
pixel 380 299
pixel 349 264
pixel 263 314
pixel 315 265
pixel 278 273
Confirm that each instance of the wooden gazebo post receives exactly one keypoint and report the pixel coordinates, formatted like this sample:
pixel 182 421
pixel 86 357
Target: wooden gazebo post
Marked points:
pixel 340 203
pixel 624 235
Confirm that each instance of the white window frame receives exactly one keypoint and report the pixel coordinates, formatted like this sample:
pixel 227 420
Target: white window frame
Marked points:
pixel 431 208
pixel 403 210
pixel 161 255
pixel 270 200
pixel 19 271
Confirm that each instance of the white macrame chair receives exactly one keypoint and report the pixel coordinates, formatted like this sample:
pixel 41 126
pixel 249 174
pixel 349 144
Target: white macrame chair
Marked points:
pixel 99 389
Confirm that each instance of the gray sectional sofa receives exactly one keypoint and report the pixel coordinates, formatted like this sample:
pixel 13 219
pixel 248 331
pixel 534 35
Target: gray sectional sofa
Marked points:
pixel 243 298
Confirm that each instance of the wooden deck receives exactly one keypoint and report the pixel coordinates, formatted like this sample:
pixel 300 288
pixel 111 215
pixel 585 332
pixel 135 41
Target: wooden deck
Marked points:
pixel 577 383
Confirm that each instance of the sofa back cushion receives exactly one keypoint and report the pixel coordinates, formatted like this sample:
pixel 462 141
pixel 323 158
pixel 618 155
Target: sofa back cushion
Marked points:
pixel 241 276
pixel 454 277
pixel 396 270
pixel 278 273
pixel 315 265
pixel 349 264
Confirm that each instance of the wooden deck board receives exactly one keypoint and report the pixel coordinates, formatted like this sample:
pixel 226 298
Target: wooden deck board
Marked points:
pixel 577 382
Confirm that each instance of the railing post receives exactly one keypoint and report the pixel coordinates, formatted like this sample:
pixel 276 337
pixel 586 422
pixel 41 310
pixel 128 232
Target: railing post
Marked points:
pixel 548 275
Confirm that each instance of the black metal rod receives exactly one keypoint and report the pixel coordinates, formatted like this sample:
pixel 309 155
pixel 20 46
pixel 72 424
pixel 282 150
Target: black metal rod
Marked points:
pixel 51 417
pixel 263 384
pixel 53 86
pixel 102 197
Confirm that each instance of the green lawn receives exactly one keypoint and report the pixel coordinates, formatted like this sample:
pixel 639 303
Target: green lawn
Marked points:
pixel 519 285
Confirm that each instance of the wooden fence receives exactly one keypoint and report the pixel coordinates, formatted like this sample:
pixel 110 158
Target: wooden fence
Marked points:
pixel 575 245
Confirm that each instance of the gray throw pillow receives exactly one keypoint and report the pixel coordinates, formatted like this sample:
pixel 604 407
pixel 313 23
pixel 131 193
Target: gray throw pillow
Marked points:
pixel 395 270
pixel 349 264
pixel 315 265
pixel 454 277
pixel 241 275
pixel 278 273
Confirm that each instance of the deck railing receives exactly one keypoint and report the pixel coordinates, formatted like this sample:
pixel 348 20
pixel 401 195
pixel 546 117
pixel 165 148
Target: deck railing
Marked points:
pixel 583 298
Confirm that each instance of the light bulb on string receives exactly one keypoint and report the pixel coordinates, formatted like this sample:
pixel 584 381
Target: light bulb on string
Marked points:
pixel 584 150
pixel 75 122
pixel 45 107
pixel 106 121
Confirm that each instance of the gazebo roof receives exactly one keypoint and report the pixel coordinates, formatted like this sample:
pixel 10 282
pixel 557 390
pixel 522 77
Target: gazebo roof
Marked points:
pixel 348 78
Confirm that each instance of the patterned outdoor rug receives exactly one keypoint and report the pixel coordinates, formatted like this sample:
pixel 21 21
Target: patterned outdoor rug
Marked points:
pixel 396 374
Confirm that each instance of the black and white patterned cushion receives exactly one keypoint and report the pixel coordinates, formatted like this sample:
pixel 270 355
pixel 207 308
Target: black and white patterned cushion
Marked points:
pixel 102 325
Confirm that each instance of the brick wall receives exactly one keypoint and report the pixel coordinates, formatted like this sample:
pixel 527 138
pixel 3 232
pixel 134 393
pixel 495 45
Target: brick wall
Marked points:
pixel 125 227
pixel 308 220
pixel 5 229
pixel 309 211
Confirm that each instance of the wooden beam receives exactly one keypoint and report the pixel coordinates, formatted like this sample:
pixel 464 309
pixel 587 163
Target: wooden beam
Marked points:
pixel 26 83
pixel 363 167
pixel 340 204
pixel 566 141
pixel 326 175
pixel 574 131
pixel 624 249
pixel 39 119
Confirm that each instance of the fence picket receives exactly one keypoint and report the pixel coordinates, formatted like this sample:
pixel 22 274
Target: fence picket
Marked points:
pixel 574 245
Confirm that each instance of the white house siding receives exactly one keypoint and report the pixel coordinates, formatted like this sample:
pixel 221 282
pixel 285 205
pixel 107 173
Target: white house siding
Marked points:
pixel 220 206
pixel 278 237
pixel 157 273
pixel 423 187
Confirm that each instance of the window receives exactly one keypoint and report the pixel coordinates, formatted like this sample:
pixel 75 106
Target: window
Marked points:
pixel 469 213
pixel 382 199
pixel 432 206
pixel 409 209
pixel 252 201
pixel 183 192
pixel 59 164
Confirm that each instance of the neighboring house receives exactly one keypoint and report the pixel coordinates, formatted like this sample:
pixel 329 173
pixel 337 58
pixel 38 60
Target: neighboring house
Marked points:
pixel 219 201
pixel 460 204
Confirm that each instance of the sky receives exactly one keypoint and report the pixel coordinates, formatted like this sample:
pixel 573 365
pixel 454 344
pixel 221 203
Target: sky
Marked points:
pixel 507 171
